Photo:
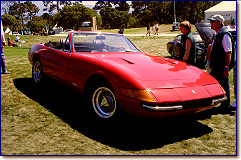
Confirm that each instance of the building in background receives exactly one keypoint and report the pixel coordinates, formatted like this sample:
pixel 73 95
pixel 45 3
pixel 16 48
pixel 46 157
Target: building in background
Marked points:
pixel 226 8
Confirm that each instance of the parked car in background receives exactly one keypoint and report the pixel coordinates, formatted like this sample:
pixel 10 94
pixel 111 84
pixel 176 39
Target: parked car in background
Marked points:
pixel 67 31
pixel 114 75
pixel 86 24
pixel 173 48
pixel 233 32
pixel 175 25
pixel 16 33
pixel 51 32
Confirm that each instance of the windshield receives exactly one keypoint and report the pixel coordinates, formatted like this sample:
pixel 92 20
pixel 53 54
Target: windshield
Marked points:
pixel 102 42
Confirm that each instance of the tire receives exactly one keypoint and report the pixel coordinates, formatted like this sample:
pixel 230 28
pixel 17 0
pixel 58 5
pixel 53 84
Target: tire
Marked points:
pixel 37 73
pixel 172 53
pixel 102 100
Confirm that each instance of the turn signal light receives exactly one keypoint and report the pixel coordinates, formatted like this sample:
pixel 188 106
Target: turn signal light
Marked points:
pixel 140 94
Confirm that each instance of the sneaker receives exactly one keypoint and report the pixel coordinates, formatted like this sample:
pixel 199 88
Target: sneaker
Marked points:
pixel 6 72
pixel 234 105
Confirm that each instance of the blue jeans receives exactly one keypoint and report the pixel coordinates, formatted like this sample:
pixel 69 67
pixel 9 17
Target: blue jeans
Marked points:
pixel 224 82
pixel 3 62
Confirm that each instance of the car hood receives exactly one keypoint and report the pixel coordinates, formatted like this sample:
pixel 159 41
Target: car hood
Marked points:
pixel 155 71
pixel 205 31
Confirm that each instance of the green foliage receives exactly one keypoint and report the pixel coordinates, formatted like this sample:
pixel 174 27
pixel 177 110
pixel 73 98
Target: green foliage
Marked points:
pixel 9 20
pixel 36 26
pixel 132 22
pixel 56 5
pixel 32 9
pixel 118 5
pixel 163 11
pixel 112 18
pixel 49 19
pixel 73 16
pixel 20 9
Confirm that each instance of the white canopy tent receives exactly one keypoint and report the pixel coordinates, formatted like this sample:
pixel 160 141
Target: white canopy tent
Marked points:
pixel 8 31
pixel 226 8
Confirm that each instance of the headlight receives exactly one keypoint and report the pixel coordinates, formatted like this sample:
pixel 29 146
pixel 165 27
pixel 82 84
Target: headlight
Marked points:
pixel 140 94
pixel 199 52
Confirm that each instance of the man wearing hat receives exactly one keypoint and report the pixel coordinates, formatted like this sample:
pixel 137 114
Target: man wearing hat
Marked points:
pixel 221 56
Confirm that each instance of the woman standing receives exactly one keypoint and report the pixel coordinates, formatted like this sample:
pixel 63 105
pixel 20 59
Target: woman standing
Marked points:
pixel 187 50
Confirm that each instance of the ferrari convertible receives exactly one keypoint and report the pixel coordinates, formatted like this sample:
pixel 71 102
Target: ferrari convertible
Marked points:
pixel 116 76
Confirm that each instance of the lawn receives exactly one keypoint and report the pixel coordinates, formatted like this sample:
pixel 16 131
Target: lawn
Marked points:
pixel 53 122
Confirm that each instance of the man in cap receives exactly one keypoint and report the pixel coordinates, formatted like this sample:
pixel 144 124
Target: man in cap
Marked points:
pixel 221 56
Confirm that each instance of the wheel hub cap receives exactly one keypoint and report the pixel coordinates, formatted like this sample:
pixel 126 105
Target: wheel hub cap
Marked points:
pixel 103 102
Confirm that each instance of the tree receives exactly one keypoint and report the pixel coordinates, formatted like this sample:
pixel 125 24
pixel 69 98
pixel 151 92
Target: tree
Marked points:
pixel 73 16
pixel 49 19
pixel 163 11
pixel 118 5
pixel 102 4
pixel 122 6
pixel 23 10
pixel 9 21
pixel 112 18
pixel 56 5
pixel 5 6
pixel 36 26
pixel 32 9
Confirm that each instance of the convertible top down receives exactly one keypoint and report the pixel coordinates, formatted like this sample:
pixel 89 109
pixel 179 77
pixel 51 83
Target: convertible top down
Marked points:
pixel 115 75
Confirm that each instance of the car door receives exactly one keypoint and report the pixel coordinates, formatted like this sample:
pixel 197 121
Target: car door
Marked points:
pixel 57 61
pixel 82 60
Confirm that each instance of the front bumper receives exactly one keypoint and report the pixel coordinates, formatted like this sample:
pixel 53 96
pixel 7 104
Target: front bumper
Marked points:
pixel 185 105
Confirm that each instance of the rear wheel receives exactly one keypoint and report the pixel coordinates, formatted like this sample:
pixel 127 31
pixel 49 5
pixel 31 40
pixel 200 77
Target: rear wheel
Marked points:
pixel 173 54
pixel 37 73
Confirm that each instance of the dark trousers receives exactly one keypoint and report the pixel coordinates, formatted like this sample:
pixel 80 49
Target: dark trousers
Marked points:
pixel 224 82
pixel 3 62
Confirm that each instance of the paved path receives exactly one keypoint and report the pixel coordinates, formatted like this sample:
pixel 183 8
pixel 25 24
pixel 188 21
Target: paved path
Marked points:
pixel 134 35
pixel 159 35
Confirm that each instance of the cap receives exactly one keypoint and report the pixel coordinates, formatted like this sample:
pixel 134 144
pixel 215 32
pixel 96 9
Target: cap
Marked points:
pixel 217 18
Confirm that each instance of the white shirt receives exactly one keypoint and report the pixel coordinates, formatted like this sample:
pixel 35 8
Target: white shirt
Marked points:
pixel 226 42
pixel 17 38
pixel 156 25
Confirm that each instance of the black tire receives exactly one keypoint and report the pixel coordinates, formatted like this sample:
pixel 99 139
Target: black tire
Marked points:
pixel 103 102
pixel 172 53
pixel 37 73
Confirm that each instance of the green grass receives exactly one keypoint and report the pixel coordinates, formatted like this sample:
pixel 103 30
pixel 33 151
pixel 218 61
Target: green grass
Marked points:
pixel 163 29
pixel 53 123
pixel 16 51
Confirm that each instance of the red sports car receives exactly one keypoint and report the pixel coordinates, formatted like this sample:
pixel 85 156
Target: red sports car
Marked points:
pixel 115 75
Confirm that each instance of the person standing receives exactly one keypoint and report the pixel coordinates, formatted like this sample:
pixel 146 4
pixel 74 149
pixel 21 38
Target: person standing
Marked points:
pixel 221 56
pixel 187 49
pixel 148 28
pixel 156 27
pixel 3 43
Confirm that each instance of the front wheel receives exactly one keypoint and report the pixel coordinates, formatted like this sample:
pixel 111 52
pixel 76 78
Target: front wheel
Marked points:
pixel 104 102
